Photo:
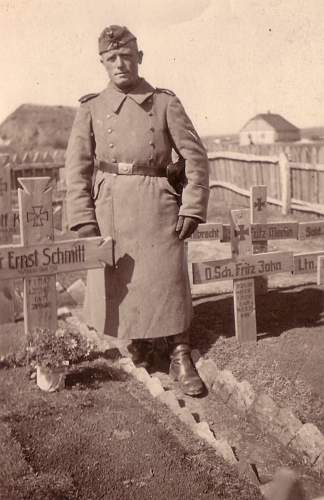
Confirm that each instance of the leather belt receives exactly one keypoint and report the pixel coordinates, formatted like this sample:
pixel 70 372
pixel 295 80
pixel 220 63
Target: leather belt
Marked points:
pixel 135 168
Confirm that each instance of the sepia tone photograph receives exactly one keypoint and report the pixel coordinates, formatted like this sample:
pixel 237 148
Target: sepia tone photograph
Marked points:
pixel 162 250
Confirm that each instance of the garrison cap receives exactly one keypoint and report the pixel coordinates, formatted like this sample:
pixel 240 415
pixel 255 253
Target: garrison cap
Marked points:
pixel 114 37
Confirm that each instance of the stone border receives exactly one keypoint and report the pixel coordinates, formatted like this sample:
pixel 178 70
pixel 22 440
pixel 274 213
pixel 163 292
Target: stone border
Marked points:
pixel 281 423
pixel 284 426
pixel 201 429
pixel 168 397
pixel 304 439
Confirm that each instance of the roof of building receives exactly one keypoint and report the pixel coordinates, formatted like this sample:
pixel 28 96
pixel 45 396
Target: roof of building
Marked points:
pixel 279 123
pixel 35 126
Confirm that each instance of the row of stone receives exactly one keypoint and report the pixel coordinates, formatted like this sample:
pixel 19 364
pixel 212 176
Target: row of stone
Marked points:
pixel 241 396
pixel 281 423
pixel 304 439
pixel 202 429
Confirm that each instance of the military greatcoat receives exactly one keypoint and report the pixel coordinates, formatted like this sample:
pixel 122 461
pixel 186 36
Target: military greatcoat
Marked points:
pixel 147 293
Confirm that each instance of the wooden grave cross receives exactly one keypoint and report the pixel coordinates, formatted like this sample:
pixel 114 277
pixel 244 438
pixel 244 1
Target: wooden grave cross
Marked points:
pixel 243 268
pixel 38 257
pixel 10 303
pixel 258 215
pixel 7 313
pixel 261 231
pixel 259 203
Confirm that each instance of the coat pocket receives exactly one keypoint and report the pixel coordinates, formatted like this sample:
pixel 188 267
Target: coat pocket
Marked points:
pixel 96 187
pixel 170 190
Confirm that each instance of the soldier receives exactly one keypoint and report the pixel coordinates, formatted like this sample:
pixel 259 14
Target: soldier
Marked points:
pixel 121 183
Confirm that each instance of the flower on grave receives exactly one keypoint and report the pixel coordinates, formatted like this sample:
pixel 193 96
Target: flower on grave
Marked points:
pixel 56 349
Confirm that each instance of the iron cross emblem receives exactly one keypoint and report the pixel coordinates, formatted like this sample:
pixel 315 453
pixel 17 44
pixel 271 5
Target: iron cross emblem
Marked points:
pixel 3 187
pixel 241 232
pixel 37 216
pixel 259 204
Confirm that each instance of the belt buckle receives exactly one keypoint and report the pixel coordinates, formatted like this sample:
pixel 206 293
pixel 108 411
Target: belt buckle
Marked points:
pixel 125 168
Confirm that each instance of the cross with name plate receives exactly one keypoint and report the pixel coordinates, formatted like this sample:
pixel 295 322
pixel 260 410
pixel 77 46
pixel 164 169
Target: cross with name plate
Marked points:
pixel 38 258
pixel 243 267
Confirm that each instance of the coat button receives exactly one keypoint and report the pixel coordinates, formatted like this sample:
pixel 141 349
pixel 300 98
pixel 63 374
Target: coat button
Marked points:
pixel 109 130
pixel 150 113
pixel 151 143
pixel 108 116
pixel 152 129
pixel 111 145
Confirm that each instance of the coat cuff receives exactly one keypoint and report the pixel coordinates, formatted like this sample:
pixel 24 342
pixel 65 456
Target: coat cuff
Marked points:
pixel 88 217
pixel 195 201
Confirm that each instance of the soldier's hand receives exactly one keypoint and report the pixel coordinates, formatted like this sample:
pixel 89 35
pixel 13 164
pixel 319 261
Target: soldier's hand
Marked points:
pixel 88 230
pixel 186 226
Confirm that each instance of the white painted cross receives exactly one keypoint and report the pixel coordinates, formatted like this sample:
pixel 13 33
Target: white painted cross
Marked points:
pixel 242 268
pixel 38 258
pixel 243 289
pixel 259 215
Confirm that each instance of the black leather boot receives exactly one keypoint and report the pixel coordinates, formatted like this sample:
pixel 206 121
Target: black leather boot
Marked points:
pixel 141 351
pixel 183 370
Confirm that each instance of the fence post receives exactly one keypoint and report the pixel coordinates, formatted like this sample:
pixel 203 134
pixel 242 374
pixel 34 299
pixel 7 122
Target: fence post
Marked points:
pixel 285 183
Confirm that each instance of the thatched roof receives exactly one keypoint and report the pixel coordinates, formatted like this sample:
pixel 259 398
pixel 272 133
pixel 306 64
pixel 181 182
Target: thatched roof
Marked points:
pixel 37 127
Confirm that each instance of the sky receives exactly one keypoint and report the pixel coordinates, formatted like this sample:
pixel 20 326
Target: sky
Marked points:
pixel 227 60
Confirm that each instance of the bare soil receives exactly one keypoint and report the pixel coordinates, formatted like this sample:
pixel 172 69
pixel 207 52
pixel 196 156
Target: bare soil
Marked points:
pixel 102 438
pixel 287 361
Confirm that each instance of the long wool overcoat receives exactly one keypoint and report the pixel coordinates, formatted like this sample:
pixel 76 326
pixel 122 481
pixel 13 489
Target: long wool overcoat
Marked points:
pixel 147 293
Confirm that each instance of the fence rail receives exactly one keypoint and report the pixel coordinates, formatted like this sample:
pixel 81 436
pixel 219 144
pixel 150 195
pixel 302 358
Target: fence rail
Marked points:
pixel 34 164
pixel 312 152
pixel 291 185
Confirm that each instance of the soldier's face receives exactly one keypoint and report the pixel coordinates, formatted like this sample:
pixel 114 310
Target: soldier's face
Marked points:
pixel 122 66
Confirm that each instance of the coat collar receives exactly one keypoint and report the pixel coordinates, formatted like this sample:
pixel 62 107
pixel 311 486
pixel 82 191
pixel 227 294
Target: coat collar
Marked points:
pixel 139 94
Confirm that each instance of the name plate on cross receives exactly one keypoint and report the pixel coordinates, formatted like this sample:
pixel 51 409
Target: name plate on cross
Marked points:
pixel 310 229
pixel 243 267
pixel 19 261
pixel 248 266
pixel 39 257
pixel 209 231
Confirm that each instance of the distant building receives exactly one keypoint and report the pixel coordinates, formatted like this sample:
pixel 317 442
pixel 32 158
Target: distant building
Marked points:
pixel 218 142
pixel 267 128
pixel 37 127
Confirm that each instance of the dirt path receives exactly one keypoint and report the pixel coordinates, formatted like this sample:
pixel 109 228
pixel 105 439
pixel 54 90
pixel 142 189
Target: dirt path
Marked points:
pixel 103 438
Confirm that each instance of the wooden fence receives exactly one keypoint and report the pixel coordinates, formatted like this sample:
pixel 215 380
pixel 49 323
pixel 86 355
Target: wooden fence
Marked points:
pixel 312 152
pixel 291 185
pixel 35 164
